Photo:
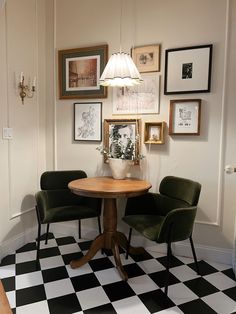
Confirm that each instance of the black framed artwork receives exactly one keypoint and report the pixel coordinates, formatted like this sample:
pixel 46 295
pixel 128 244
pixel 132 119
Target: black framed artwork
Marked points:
pixel 188 70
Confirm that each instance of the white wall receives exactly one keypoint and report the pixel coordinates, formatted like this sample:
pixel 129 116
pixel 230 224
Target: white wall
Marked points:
pixel 171 24
pixel 22 159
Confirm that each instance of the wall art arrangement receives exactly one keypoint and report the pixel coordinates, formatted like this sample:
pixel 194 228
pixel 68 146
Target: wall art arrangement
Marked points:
pixel 184 117
pixel 188 70
pixel 88 121
pixel 79 72
pixel 125 130
pixel 147 58
pixel 154 132
pixel 138 99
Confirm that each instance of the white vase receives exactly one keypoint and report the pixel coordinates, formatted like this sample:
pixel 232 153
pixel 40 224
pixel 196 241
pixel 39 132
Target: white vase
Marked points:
pixel 119 167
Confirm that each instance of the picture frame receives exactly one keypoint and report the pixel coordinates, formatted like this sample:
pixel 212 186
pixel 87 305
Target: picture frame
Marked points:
pixel 184 118
pixel 188 70
pixel 138 99
pixel 147 58
pixel 128 126
pixel 88 121
pixel 79 72
pixel 154 132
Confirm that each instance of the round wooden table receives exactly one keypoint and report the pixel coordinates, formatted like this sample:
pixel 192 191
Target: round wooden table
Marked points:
pixel 109 190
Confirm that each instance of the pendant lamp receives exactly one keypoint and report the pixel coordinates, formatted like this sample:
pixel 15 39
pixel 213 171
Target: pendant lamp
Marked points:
pixel 120 69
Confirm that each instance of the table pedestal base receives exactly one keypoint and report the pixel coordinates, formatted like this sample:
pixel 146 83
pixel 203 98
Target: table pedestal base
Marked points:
pixel 109 239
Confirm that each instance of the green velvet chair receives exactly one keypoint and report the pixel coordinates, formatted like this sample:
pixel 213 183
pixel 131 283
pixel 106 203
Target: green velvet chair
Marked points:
pixel 56 203
pixel 167 216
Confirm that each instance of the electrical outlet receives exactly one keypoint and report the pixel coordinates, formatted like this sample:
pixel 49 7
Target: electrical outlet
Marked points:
pixel 7 133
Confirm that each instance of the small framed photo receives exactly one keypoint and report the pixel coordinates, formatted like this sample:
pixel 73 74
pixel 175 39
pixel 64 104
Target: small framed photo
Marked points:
pixel 88 121
pixel 154 132
pixel 188 70
pixel 147 58
pixel 184 117
pixel 79 72
pixel 125 130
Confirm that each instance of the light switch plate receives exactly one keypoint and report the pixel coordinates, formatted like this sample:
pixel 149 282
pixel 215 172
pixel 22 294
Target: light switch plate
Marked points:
pixel 7 133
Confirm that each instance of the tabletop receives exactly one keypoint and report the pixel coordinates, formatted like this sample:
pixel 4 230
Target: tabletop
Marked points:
pixel 107 187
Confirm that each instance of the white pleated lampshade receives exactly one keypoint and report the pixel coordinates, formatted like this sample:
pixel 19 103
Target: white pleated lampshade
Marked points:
pixel 120 71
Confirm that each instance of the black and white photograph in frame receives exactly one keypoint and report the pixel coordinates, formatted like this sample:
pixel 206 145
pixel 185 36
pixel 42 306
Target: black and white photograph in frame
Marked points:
pixel 188 70
pixel 88 121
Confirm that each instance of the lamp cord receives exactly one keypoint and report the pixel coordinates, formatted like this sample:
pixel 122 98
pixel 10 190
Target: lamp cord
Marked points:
pixel 121 16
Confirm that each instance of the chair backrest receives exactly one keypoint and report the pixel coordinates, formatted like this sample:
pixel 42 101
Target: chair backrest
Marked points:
pixel 58 180
pixel 181 189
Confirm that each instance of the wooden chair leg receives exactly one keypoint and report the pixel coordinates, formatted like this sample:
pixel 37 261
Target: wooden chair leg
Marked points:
pixel 128 243
pixel 194 255
pixel 47 231
pixel 79 223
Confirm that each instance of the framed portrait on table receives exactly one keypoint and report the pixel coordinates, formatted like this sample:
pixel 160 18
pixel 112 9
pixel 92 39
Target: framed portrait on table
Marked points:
pixel 79 72
pixel 122 132
pixel 188 70
pixel 88 121
pixel 184 117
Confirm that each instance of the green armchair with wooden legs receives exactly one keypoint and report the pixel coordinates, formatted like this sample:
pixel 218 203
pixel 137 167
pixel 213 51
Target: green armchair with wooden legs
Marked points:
pixel 167 216
pixel 56 203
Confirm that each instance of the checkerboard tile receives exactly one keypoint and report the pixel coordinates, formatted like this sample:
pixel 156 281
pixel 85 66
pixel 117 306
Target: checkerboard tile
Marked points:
pixel 53 287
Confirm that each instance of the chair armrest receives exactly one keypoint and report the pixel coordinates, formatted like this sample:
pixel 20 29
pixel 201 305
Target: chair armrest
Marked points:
pixel 179 222
pixel 146 204
pixel 42 204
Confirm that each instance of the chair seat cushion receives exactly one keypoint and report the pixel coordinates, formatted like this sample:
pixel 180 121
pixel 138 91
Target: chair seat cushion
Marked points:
pixel 66 213
pixel 148 225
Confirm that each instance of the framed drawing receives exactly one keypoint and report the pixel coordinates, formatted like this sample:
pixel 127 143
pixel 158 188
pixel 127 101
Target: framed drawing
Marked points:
pixel 79 72
pixel 184 117
pixel 147 58
pixel 154 132
pixel 138 99
pixel 88 121
pixel 188 70
pixel 126 131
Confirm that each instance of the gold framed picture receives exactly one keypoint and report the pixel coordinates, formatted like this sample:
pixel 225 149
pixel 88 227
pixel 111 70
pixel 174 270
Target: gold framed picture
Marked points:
pixel 122 133
pixel 154 132
pixel 147 58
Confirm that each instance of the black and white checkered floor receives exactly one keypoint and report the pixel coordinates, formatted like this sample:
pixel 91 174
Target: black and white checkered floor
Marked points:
pixel 97 287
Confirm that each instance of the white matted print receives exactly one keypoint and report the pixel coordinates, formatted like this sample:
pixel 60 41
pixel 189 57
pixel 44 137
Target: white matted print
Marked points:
pixel 88 121
pixel 138 99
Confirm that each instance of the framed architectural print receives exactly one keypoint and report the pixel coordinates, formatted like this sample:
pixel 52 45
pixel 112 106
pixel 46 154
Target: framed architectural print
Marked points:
pixel 154 132
pixel 188 70
pixel 121 135
pixel 184 117
pixel 88 121
pixel 147 58
pixel 79 72
pixel 138 99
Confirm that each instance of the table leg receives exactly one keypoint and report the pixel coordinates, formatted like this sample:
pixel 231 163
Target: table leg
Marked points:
pixel 116 253
pixel 97 244
pixel 123 242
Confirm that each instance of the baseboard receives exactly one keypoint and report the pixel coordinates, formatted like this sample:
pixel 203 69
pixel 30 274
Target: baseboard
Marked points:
pixel 207 253
pixel 11 245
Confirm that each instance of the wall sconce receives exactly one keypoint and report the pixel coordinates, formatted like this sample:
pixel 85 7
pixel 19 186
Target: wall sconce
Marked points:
pixel 26 90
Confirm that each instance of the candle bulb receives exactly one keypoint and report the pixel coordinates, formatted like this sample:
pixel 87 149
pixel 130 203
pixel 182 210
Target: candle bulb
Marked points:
pixel 21 77
pixel 34 82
